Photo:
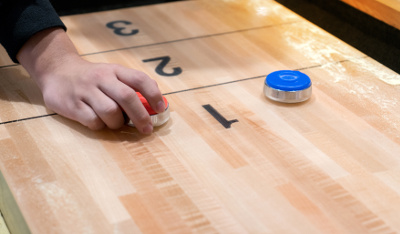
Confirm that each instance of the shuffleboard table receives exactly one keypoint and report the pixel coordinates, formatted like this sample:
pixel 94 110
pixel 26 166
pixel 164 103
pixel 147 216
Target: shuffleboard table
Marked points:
pixel 251 165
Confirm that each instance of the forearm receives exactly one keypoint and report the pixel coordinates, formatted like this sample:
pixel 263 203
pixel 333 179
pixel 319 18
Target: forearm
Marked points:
pixel 22 19
pixel 43 53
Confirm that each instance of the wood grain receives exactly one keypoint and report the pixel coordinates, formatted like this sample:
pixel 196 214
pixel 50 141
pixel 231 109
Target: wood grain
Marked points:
pixel 3 226
pixel 329 165
pixel 164 22
pixel 387 11
pixel 218 59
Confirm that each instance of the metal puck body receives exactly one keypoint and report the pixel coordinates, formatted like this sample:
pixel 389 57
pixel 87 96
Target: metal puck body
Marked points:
pixel 157 119
pixel 160 119
pixel 288 86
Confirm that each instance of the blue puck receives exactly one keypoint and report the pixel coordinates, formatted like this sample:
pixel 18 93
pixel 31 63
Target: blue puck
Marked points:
pixel 288 86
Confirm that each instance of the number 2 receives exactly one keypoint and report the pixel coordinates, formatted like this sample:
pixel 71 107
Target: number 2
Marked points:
pixel 160 68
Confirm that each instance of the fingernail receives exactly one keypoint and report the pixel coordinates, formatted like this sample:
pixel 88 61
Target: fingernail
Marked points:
pixel 148 129
pixel 160 107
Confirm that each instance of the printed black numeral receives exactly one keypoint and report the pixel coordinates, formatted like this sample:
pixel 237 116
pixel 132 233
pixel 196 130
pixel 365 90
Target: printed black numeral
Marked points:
pixel 221 119
pixel 121 31
pixel 160 67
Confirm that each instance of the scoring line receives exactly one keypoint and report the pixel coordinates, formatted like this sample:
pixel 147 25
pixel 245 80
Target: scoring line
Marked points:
pixel 202 87
pixel 29 118
pixel 192 38
pixel 174 41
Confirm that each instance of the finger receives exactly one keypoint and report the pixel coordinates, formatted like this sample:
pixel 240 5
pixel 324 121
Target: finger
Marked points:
pixel 106 108
pixel 84 114
pixel 126 97
pixel 144 84
pixel 73 109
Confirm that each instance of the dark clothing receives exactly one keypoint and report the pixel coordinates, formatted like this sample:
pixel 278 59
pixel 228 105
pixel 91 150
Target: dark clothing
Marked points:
pixel 21 19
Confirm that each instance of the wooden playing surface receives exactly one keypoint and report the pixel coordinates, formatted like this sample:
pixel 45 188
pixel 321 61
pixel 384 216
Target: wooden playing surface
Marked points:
pixel 387 11
pixel 329 165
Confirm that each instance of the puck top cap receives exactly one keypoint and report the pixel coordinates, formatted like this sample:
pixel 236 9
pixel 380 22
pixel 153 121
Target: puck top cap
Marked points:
pixel 147 105
pixel 287 80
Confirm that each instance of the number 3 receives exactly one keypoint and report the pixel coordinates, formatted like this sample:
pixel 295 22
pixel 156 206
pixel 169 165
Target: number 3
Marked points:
pixel 120 30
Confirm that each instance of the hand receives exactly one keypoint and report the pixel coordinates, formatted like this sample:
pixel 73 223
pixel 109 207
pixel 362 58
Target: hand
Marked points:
pixel 97 94
pixel 93 94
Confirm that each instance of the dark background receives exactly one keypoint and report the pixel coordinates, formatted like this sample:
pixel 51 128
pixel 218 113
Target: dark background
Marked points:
pixel 71 7
pixel 373 37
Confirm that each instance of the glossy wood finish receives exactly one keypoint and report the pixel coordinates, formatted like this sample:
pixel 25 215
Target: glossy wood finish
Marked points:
pixel 329 165
pixel 387 11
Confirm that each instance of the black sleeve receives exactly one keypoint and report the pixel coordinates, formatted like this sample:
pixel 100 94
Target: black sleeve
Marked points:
pixel 21 19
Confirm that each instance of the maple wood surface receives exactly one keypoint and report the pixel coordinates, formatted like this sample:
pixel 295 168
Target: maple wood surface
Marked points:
pixel 387 11
pixel 328 165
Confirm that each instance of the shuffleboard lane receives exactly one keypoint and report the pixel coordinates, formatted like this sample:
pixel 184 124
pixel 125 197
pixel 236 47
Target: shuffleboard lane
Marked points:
pixel 174 24
pixel 172 41
pixel 251 36
pixel 314 141
pixel 348 162
pixel 168 22
pixel 187 90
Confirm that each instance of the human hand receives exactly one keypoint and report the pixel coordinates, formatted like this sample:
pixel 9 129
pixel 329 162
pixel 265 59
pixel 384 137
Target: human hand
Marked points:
pixel 97 94
pixel 93 94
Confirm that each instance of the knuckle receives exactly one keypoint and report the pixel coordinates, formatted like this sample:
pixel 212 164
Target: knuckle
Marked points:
pixel 126 95
pixel 49 102
pixel 115 125
pixel 115 66
pixel 88 119
pixel 153 83
pixel 94 124
pixel 110 110
pixel 97 75
pixel 153 86
pixel 49 98
pixel 142 118
pixel 140 78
